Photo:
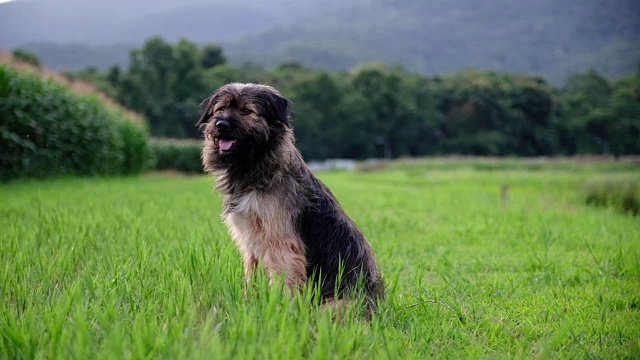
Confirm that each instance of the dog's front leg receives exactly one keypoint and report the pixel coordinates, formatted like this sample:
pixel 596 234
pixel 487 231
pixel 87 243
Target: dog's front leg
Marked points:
pixel 250 265
pixel 288 260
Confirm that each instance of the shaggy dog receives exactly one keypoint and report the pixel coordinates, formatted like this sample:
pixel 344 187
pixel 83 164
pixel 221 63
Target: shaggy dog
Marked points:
pixel 278 212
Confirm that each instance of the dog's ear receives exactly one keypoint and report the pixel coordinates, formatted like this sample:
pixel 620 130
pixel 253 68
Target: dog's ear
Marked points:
pixel 205 109
pixel 277 107
pixel 283 109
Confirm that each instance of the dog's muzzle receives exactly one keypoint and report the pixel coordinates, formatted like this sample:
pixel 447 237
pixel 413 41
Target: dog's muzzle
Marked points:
pixel 223 126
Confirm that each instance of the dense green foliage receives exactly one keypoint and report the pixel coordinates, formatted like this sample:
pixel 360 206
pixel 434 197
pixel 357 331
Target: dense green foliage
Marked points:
pixel 622 195
pixel 45 130
pixel 607 112
pixel 180 155
pixel 144 268
pixel 378 111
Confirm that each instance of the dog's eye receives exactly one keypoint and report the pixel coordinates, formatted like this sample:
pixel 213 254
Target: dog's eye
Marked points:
pixel 221 108
pixel 245 111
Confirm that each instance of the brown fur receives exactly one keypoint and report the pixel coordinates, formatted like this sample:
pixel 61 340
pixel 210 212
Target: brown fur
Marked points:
pixel 263 230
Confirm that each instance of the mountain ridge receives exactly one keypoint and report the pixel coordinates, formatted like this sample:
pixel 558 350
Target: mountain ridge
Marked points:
pixel 544 38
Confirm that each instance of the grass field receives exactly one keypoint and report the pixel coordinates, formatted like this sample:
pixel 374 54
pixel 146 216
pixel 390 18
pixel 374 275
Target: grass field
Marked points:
pixel 143 268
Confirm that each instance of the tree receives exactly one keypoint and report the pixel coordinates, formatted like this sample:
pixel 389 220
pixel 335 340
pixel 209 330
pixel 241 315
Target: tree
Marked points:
pixel 114 76
pixel 625 105
pixel 388 103
pixel 330 120
pixel 165 82
pixel 375 110
pixel 486 113
pixel 586 115
pixel 212 55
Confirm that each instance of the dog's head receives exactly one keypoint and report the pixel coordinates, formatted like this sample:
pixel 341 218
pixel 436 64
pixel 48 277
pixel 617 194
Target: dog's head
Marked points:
pixel 241 123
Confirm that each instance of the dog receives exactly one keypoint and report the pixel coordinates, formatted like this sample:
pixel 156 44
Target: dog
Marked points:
pixel 278 212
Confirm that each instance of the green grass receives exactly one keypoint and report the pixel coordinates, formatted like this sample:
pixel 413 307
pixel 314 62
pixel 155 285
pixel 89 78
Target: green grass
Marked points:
pixel 144 268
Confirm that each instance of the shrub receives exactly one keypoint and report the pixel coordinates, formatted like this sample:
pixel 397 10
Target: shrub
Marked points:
pixel 623 195
pixel 138 155
pixel 26 56
pixel 45 130
pixel 179 155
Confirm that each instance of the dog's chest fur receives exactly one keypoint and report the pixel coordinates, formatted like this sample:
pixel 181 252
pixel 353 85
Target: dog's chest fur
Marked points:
pixel 261 222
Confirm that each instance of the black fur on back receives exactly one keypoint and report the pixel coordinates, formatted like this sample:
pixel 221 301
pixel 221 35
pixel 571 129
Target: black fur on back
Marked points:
pixel 335 246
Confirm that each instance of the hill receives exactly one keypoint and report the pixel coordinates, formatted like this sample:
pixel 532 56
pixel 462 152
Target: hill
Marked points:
pixel 131 22
pixel 546 38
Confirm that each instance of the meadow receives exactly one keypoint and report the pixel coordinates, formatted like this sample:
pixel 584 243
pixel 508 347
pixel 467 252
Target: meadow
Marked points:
pixel 478 262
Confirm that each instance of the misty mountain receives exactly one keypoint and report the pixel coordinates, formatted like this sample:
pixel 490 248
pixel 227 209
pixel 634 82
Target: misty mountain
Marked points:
pixel 545 37
pixel 131 22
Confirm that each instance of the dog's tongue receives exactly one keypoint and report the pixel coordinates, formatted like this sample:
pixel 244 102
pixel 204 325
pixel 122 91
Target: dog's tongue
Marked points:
pixel 226 144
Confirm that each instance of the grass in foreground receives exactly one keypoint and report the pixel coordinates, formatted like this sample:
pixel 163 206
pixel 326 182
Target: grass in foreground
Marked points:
pixel 143 268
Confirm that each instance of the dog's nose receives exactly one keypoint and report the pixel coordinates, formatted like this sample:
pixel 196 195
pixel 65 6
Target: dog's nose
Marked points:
pixel 223 125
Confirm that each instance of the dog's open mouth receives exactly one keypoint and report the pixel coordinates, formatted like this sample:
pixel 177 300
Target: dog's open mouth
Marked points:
pixel 226 145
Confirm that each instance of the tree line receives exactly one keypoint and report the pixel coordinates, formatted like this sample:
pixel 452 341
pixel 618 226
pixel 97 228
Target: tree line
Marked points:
pixel 375 110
